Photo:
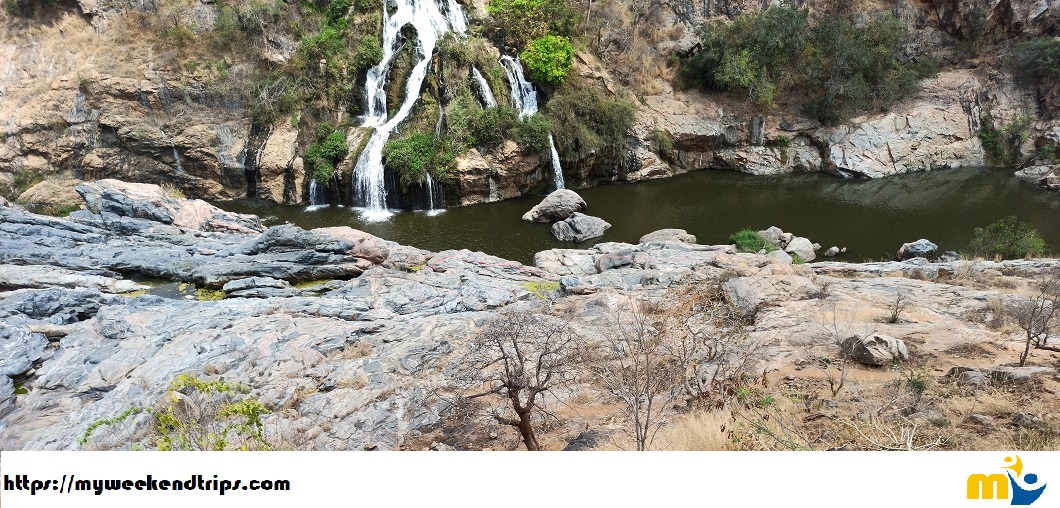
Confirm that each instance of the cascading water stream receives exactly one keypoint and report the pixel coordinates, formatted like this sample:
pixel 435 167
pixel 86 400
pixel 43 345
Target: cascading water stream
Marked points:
pixel 317 197
pixel 484 88
pixel 556 167
pixel 524 99
pixel 427 18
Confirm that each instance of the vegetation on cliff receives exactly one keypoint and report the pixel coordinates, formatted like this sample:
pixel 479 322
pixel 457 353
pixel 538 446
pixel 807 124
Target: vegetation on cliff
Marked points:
pixel 834 67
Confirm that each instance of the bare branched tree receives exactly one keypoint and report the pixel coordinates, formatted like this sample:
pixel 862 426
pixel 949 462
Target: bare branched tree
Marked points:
pixel 692 343
pixel 898 305
pixel 641 365
pixel 519 356
pixel 1037 316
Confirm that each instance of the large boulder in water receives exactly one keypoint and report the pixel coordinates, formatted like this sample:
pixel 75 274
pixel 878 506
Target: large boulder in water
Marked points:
pixel 557 206
pixel 579 227
pixel 918 249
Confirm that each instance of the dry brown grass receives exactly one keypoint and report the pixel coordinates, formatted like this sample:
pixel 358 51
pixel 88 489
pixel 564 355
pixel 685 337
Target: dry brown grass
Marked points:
pixel 697 431
pixel 352 351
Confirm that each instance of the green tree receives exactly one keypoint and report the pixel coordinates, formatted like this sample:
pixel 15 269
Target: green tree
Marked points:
pixel 549 59
pixel 1007 238
pixel 520 21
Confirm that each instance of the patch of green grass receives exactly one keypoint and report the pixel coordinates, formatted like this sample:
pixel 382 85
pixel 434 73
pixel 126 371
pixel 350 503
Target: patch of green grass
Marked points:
pixel 20 389
pixel 416 268
pixel 541 289
pixel 797 260
pixel 134 294
pixel 312 284
pixel 209 295
pixel 748 240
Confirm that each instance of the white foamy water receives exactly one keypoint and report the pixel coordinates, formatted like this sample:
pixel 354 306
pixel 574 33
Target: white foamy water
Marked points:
pixel 484 88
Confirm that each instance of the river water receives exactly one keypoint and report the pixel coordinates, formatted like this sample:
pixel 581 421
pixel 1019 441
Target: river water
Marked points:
pixel 872 218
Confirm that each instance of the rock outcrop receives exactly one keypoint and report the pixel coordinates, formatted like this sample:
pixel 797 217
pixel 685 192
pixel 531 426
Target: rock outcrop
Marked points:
pixel 875 349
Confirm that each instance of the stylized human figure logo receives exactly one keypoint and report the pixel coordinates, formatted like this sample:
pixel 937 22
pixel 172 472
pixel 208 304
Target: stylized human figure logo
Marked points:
pixel 1022 496
pixel 1021 487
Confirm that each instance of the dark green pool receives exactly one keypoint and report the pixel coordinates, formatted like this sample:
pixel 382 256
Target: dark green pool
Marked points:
pixel 872 218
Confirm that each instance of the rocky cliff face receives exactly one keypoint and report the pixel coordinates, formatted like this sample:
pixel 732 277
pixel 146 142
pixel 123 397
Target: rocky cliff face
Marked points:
pixel 354 361
pixel 79 99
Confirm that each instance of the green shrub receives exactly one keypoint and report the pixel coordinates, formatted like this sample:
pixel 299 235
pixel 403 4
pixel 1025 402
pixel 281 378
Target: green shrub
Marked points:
pixel 664 143
pixel 585 120
pixel 337 9
pixel 520 21
pixel 1034 61
pixel 417 154
pixel 328 151
pixel 549 59
pixel 780 141
pixel 748 240
pixel 1004 147
pixel 531 133
pixel 491 126
pixel 369 52
pixel 1008 238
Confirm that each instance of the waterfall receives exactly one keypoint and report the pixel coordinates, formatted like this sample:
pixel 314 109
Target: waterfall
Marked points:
pixel 426 17
pixel 556 168
pixel 431 190
pixel 524 97
pixel 484 88
pixel 317 196
pixel 455 16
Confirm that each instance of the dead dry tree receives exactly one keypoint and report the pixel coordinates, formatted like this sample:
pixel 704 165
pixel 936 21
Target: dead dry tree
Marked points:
pixel 719 349
pixel 518 357
pixel 1037 315
pixel 692 343
pixel 641 365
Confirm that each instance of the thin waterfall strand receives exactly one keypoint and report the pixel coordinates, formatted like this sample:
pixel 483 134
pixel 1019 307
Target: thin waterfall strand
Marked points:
pixel 524 96
pixel 484 88
pixel 557 169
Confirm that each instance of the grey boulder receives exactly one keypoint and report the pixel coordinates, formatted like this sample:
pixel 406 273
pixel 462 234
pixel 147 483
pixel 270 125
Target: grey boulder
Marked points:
pixel 802 247
pixel 559 205
pixel 874 349
pixel 580 227
pixel 919 249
